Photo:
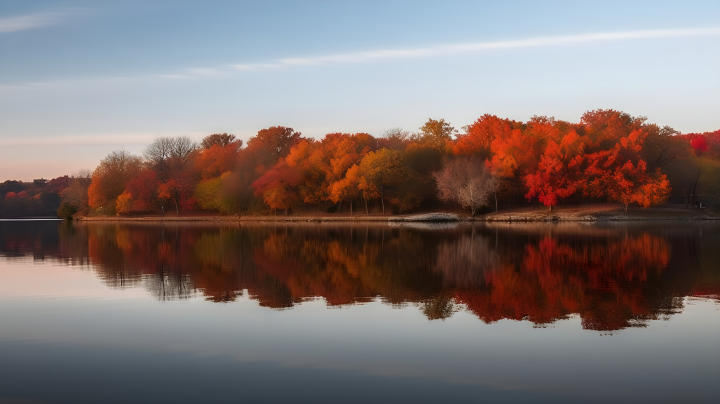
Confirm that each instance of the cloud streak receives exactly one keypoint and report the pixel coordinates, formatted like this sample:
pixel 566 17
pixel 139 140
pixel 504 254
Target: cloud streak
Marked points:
pixel 86 140
pixel 32 21
pixel 381 55
pixel 477 47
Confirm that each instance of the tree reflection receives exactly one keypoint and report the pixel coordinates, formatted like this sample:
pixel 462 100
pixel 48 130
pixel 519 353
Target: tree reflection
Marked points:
pixel 613 278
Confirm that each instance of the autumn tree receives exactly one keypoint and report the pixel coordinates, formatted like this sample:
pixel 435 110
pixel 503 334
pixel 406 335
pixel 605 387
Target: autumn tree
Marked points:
pixel 180 191
pixel 435 134
pixel 323 163
pixel 605 127
pixel 560 171
pixel 58 184
pixel 378 171
pixel 465 181
pixel 141 193
pixel 350 150
pixel 76 194
pixel 168 155
pixel 347 188
pixel 109 179
pixel 276 140
pixel 217 159
pixel 478 137
pixel 662 146
pixel 620 175
pixel 395 139
pixel 251 163
pixel 276 186
pixel 514 157
pixel 219 139
pixel 211 196
pixel 12 186
pixel 171 158
pixel 217 165
pixel 279 197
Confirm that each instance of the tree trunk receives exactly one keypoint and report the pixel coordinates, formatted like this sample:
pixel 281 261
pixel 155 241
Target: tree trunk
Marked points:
pixel 693 187
pixel 351 208
pixel 626 206
pixel 382 199
pixel 367 212
pixel 550 208
pixel 496 206
pixel 177 210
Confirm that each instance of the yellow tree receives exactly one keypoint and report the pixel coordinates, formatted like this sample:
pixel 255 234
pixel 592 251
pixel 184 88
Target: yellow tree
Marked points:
pixel 378 171
pixel 436 134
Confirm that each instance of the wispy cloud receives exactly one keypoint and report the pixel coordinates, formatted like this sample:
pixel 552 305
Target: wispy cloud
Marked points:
pixel 380 55
pixel 98 139
pixel 34 20
pixel 477 47
pixel 85 140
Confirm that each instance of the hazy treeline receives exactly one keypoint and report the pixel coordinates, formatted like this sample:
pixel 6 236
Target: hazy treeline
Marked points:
pixel 493 162
pixel 43 199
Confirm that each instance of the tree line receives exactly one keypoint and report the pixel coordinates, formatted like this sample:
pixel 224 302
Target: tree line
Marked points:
pixel 493 162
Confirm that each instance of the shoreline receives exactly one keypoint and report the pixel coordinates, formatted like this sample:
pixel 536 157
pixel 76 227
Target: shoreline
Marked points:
pixel 597 214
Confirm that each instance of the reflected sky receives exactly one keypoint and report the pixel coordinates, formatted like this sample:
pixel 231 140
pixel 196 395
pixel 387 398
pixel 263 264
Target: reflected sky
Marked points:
pixel 310 312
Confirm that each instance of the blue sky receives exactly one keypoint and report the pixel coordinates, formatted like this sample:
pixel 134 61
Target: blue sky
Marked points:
pixel 79 79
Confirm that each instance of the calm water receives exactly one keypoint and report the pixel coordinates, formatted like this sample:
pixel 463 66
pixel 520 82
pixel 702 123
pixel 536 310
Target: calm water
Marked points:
pixel 326 313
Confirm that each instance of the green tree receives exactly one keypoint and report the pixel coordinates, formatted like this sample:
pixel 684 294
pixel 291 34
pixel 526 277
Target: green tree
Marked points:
pixel 66 211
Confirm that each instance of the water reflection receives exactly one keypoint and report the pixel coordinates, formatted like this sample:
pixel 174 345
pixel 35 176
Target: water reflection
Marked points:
pixel 613 277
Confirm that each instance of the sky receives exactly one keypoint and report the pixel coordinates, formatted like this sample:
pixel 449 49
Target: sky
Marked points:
pixel 79 79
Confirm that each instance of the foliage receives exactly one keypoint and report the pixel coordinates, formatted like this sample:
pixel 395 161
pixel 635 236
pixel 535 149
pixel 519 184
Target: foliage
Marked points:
pixel 276 140
pixel 109 179
pixel 467 182
pixel 478 137
pixel 66 211
pixel 559 171
pixel 608 154
pixel 209 195
pixel 378 171
pixel 436 134
pixel 218 139
pixel 168 155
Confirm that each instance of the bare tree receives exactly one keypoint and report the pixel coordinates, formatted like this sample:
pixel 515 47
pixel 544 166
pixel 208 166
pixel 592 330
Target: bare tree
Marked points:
pixel 168 154
pixel 467 182
pixel 395 138
pixel 181 149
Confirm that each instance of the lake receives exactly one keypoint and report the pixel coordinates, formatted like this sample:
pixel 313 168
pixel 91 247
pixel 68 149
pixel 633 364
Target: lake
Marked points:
pixel 359 313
